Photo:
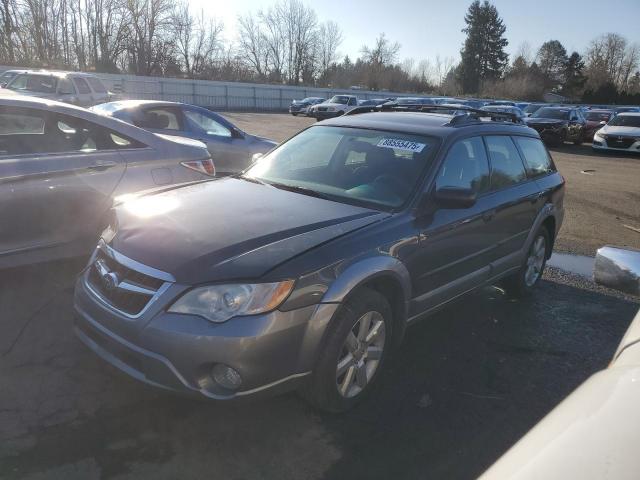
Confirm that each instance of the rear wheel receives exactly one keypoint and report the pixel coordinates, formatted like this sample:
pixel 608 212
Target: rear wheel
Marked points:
pixel 294 114
pixel 354 352
pixel 524 280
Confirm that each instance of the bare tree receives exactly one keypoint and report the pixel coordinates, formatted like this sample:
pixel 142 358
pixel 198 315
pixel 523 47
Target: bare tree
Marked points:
pixel 329 38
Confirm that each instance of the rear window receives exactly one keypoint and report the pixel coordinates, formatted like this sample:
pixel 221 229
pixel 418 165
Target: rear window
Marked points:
pixel 34 83
pixel 506 166
pixel 536 157
pixel 82 86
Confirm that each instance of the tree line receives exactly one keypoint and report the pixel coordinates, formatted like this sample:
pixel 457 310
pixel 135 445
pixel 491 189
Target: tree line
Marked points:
pixel 286 43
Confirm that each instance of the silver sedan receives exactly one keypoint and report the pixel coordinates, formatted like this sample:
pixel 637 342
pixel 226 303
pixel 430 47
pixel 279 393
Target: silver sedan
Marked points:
pixel 61 166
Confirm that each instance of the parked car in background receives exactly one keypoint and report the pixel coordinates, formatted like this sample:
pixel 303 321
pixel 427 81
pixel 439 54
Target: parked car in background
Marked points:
pixel 473 103
pixel 533 108
pixel 622 132
pixel 300 107
pixel 380 219
pixel 617 110
pixel 8 75
pixel 334 107
pixel 372 102
pixel 501 102
pixel 415 101
pixel 230 148
pixel 595 119
pixel 61 166
pixel 522 105
pixel 557 125
pixel 83 89
pixel 507 109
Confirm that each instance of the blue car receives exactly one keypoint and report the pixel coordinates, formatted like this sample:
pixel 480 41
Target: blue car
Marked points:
pixel 231 149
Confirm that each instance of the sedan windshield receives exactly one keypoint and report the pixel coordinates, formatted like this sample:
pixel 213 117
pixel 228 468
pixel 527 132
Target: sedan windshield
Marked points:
pixel 625 121
pixel 34 83
pixel 362 167
pixel 343 99
pixel 556 113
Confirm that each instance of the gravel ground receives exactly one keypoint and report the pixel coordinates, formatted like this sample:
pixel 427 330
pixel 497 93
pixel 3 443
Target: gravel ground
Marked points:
pixel 597 205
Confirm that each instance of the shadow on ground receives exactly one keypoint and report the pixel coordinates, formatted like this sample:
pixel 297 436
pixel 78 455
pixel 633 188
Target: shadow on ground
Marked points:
pixel 466 384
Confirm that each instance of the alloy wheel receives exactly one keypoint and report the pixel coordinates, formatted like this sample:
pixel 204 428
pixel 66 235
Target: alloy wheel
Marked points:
pixel 535 261
pixel 360 355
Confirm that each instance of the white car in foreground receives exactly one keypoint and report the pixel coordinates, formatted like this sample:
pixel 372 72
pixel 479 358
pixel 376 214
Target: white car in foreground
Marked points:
pixel 621 133
pixel 595 432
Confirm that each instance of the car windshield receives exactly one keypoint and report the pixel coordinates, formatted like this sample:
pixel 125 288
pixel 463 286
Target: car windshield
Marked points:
pixel 559 114
pixel 34 83
pixel 597 116
pixel 625 121
pixel 363 167
pixel 343 99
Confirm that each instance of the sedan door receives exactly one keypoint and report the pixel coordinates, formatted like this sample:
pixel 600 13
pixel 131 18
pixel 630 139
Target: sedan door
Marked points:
pixel 57 173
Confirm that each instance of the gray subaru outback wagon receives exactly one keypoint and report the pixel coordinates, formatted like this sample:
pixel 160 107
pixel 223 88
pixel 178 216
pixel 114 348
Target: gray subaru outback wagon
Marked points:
pixel 305 270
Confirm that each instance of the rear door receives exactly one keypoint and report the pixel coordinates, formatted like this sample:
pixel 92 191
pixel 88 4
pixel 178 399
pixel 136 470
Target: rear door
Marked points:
pixel 516 199
pixel 85 95
pixel 57 173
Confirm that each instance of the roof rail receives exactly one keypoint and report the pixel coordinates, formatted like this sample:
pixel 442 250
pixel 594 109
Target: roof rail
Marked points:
pixel 472 113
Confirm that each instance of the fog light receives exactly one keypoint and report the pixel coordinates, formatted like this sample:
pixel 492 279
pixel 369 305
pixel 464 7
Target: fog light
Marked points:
pixel 226 376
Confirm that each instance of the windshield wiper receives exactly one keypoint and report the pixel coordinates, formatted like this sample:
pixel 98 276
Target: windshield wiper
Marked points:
pixel 297 189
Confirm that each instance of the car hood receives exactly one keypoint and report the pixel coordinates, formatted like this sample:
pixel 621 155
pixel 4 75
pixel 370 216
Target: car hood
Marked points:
pixel 228 229
pixel 544 121
pixel 615 130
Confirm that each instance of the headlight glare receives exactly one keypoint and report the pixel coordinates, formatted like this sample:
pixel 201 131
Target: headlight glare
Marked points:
pixel 219 303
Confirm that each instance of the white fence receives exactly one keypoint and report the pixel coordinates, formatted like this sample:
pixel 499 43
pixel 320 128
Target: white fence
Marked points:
pixel 219 95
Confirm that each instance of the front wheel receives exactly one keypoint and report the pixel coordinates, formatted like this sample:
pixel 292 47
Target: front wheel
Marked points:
pixel 522 282
pixel 354 352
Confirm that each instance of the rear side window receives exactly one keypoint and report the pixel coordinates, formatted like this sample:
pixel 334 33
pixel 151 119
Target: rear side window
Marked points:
pixel 159 119
pixel 81 85
pixel 97 85
pixel 466 166
pixel 536 157
pixel 506 165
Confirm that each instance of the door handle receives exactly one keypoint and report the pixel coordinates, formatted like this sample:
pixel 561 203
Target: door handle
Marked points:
pixel 102 165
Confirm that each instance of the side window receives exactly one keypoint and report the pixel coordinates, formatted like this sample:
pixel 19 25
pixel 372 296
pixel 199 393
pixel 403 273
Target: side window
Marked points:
pixel 20 130
pixel 71 134
pixel 466 166
pixel 207 123
pixel 353 101
pixel 506 166
pixel 97 85
pixel 81 85
pixel 536 157
pixel 159 119
pixel 65 87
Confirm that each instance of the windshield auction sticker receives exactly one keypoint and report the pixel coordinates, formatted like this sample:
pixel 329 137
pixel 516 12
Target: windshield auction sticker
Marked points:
pixel 398 144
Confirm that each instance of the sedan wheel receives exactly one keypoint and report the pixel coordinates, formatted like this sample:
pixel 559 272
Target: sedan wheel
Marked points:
pixel 360 355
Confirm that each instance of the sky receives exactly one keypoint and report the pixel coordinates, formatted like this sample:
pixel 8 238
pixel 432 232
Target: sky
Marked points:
pixel 426 28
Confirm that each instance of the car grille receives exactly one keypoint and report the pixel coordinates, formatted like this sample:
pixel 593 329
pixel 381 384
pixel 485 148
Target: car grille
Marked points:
pixel 130 292
pixel 615 141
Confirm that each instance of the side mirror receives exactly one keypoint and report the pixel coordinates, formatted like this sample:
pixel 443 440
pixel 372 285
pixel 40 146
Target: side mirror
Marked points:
pixel 455 197
pixel 235 133
pixel 618 268
pixel 256 156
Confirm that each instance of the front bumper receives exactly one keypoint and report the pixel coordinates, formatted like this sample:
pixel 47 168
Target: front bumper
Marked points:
pixel 600 143
pixel 272 352
pixel 552 135
pixel 325 115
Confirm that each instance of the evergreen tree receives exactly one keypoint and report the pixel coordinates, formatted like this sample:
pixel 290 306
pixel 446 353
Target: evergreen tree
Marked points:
pixel 574 79
pixel 483 55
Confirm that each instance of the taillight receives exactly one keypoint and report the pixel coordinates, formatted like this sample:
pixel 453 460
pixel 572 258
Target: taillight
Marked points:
pixel 203 166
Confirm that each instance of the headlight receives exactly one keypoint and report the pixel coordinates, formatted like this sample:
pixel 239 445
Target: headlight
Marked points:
pixel 219 303
pixel 598 136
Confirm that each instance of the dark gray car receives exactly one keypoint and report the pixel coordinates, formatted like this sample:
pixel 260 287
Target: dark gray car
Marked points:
pixel 232 149
pixel 60 168
pixel 305 271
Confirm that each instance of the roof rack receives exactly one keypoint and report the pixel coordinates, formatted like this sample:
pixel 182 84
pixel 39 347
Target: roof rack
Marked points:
pixel 472 113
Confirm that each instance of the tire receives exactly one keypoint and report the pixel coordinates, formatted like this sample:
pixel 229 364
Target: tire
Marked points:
pixel 344 347
pixel 294 114
pixel 580 139
pixel 523 282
